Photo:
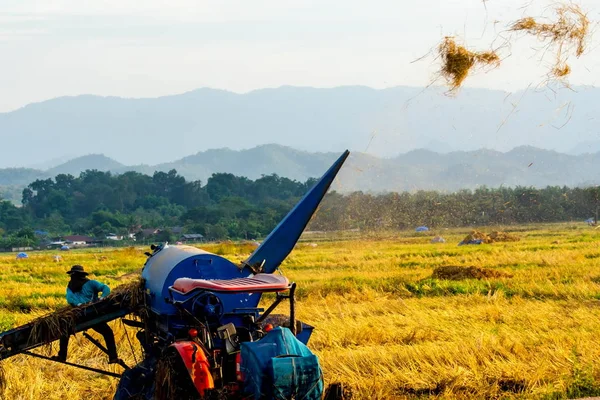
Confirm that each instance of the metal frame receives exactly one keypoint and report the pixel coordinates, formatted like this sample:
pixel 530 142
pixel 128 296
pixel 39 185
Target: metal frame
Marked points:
pixel 104 349
pixel 291 289
pixel 279 298
pixel 100 371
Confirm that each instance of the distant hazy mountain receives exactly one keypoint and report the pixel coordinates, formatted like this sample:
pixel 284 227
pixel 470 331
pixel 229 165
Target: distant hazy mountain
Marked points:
pixel 252 163
pixel 387 122
pixel 92 161
pixel 415 170
pixel 587 147
pixel 19 176
pixel 51 163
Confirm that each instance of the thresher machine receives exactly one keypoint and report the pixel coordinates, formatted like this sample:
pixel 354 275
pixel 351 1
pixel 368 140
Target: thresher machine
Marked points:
pixel 200 327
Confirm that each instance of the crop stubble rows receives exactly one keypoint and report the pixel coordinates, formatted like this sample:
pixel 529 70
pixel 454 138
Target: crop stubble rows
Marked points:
pixel 383 325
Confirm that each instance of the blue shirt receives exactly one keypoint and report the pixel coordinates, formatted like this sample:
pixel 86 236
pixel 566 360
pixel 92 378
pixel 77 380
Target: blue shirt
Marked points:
pixel 88 293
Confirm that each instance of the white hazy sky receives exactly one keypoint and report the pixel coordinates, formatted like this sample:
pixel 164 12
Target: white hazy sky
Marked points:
pixel 149 48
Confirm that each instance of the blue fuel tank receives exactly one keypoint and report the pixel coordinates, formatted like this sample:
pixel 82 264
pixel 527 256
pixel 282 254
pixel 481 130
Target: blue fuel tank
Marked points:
pixel 172 262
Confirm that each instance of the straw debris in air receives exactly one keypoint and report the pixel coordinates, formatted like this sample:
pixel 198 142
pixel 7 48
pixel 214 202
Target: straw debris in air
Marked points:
pixel 568 33
pixel 457 61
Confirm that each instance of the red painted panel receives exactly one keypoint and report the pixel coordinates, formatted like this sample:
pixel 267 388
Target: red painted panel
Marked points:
pixel 259 282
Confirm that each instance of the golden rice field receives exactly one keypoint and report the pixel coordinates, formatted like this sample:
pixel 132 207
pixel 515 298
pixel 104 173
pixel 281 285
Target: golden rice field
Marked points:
pixel 383 325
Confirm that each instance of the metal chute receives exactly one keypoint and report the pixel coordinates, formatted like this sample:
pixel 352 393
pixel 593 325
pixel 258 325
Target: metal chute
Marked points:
pixel 280 242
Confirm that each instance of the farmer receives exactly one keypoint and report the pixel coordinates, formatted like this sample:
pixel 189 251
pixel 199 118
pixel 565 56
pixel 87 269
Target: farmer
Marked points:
pixel 81 290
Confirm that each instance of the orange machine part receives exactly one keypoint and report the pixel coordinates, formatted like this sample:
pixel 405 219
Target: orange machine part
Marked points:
pixel 200 369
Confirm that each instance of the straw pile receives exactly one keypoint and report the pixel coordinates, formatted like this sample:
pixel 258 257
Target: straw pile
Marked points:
pixel 164 386
pixel 131 294
pixel 2 380
pixel 50 327
pixel 172 380
pixel 476 235
pixel 496 236
pixel 456 273
pixel 567 34
pixel 457 61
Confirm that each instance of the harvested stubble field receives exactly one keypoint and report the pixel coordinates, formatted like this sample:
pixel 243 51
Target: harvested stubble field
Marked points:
pixel 383 325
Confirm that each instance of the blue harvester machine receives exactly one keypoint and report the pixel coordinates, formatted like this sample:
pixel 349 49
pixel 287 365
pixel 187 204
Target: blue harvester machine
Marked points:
pixel 199 323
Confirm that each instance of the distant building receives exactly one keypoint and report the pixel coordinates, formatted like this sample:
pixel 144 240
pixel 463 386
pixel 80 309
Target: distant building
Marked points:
pixel 114 236
pixel 21 249
pixel 176 230
pixel 147 232
pixel 191 237
pixel 78 240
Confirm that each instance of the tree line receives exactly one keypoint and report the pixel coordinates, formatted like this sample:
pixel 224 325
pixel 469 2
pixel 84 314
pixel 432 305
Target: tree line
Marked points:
pixel 483 206
pixel 228 206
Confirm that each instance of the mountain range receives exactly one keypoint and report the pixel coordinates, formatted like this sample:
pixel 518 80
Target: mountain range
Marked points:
pixel 383 123
pixel 414 170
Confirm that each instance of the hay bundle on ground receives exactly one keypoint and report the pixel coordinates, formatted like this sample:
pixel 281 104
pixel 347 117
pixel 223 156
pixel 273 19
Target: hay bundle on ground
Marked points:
pixel 568 33
pixel 499 236
pixel 457 273
pixel 476 235
pixel 496 236
pixel 457 61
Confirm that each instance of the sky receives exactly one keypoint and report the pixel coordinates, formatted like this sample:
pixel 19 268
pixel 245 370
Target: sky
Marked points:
pixel 153 48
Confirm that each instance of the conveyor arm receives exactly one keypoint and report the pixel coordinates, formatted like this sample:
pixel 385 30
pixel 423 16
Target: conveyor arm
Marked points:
pixel 48 329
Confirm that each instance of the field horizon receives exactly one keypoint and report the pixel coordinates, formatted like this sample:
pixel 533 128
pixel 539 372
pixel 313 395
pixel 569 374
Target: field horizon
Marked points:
pixel 384 325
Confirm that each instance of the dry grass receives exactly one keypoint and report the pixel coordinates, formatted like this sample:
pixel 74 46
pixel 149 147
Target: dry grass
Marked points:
pixel 231 248
pixel 456 273
pixel 498 236
pixel 567 34
pixel 458 61
pixel 384 325
pixel 2 379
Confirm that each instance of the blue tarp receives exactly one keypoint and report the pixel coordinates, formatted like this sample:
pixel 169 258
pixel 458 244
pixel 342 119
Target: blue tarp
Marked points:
pixel 422 229
pixel 64 248
pixel 279 366
pixel 22 255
